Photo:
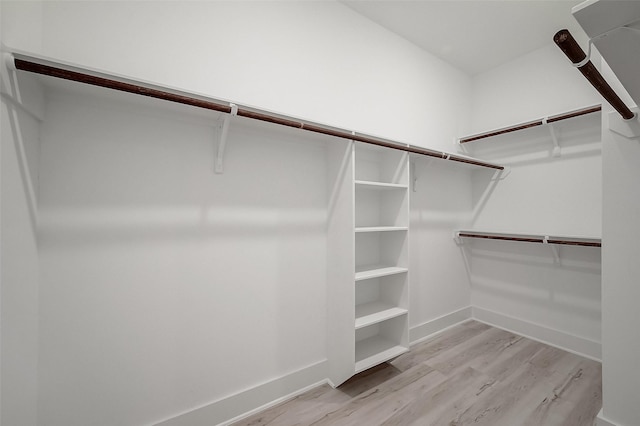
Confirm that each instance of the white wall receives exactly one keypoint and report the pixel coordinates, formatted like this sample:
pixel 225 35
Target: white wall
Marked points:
pixel 316 60
pixel 163 285
pixel 440 204
pixel 18 260
pixel 18 249
pixel 22 24
pixel 519 285
pixel 121 225
pixel 538 84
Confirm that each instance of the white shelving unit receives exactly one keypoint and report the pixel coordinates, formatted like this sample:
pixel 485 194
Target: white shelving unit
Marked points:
pixel 368 313
pixel 381 217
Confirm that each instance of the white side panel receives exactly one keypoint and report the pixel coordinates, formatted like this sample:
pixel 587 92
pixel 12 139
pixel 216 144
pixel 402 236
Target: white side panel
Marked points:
pixel 621 209
pixel 340 263
pixel 620 272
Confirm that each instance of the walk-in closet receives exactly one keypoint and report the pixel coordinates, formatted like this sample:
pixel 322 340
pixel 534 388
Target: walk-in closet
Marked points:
pixel 279 213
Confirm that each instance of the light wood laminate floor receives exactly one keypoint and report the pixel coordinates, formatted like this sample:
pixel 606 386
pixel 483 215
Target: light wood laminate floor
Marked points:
pixel 472 374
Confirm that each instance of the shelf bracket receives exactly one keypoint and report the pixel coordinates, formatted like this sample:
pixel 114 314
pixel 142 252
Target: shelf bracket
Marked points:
pixel 554 137
pixel 15 99
pixel 222 142
pixel 412 174
pixel 554 250
pixel 501 174
pixel 459 146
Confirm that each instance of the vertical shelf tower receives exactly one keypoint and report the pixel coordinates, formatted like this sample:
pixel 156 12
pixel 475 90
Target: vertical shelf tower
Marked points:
pixel 375 327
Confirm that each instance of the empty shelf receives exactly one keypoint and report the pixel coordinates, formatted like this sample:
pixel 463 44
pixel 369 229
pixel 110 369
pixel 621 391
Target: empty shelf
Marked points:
pixel 374 271
pixel 375 350
pixel 381 228
pixel 379 185
pixel 371 313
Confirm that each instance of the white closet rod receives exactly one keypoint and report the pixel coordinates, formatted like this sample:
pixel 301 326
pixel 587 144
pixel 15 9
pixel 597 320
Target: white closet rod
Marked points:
pixel 64 71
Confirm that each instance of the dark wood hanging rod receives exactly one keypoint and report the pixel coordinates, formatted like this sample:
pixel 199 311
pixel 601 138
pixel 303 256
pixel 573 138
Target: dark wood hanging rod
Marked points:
pixel 584 242
pixel 69 73
pixel 576 55
pixel 535 123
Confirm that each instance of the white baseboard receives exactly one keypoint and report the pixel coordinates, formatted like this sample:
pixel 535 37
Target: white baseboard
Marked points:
pixel 245 403
pixel 601 421
pixel 565 341
pixel 426 330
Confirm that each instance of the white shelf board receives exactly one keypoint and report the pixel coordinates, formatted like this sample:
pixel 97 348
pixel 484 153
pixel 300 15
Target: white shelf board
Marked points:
pixel 379 185
pixel 374 271
pixel 381 228
pixel 374 312
pixel 376 350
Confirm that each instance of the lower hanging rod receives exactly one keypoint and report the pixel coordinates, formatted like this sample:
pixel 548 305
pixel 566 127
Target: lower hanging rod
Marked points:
pixel 27 64
pixel 569 241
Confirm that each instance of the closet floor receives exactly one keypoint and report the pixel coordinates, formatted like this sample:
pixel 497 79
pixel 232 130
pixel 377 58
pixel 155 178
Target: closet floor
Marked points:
pixel 472 374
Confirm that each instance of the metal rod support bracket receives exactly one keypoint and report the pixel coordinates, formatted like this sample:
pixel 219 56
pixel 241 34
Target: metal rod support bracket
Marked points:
pixel 413 175
pixel 222 143
pixel 9 61
pixel 457 239
pixel 501 174
pixel 554 137
pixel 554 249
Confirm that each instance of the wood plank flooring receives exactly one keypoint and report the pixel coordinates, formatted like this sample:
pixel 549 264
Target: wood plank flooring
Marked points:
pixel 472 374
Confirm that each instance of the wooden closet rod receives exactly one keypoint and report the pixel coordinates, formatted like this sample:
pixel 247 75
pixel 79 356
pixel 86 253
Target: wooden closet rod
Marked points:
pixel 139 89
pixel 576 55
pixel 533 239
pixel 535 123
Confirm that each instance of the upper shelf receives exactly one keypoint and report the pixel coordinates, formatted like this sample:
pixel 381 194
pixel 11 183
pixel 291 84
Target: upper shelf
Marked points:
pixel 529 238
pixel 535 123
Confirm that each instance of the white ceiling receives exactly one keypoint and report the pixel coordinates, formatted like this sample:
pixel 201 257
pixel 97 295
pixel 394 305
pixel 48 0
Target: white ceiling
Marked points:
pixel 473 35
